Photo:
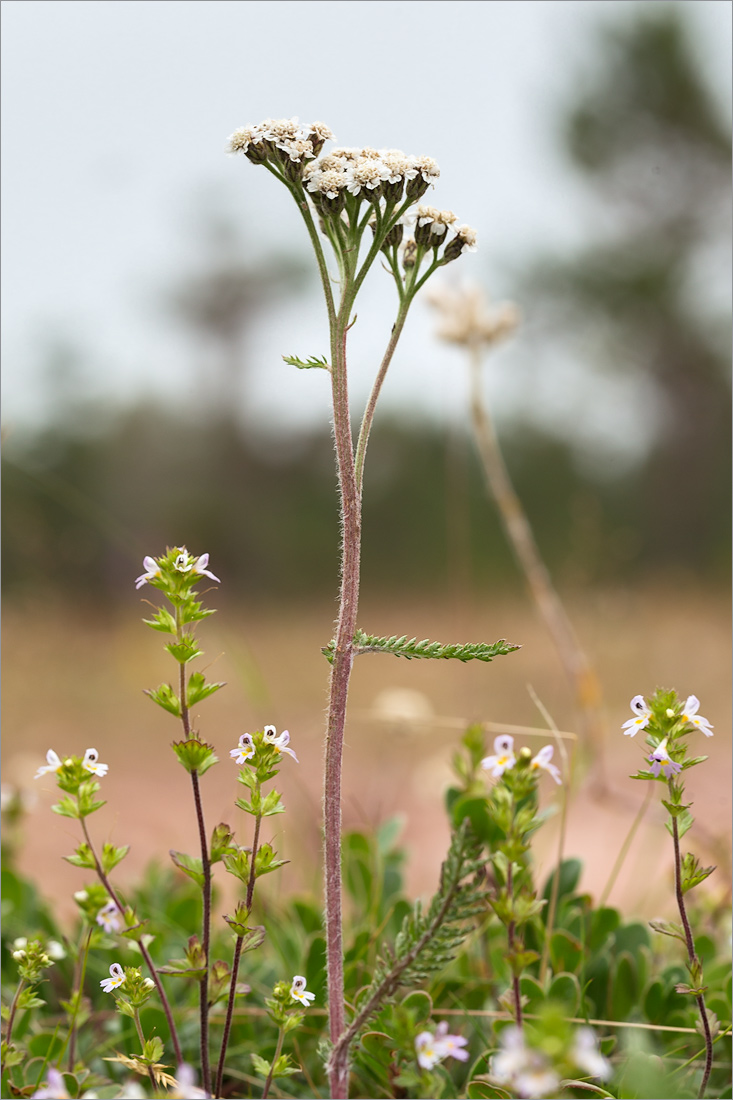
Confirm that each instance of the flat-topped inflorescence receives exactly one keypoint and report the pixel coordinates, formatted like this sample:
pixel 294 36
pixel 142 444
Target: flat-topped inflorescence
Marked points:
pixel 338 182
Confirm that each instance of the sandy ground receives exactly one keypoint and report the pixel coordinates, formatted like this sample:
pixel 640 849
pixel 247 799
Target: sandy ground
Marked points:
pixel 70 682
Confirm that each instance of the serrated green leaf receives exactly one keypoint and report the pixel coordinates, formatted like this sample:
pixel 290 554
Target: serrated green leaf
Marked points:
pixel 82 857
pixel 314 362
pixel 194 755
pixel 262 1066
pixel 163 621
pixel 272 804
pixel 198 688
pixel 111 856
pixel 190 865
pixel 411 649
pixel 166 698
pixel 692 872
pixel 668 928
pixel 67 807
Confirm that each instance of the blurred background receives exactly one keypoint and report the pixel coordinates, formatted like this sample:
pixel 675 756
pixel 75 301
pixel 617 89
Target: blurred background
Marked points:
pixel 152 285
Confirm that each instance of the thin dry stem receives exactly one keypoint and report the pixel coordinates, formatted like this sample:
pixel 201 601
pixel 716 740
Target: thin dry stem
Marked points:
pixel 577 666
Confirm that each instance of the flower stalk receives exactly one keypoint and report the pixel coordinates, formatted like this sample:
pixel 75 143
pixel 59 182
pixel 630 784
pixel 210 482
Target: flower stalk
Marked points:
pixel 667 723
pixel 140 942
pixel 349 191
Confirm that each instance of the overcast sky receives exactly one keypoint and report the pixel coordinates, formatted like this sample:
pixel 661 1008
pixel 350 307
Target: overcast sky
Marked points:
pixel 115 119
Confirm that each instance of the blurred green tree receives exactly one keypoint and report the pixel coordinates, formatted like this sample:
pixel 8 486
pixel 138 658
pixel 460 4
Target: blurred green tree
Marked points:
pixel 650 294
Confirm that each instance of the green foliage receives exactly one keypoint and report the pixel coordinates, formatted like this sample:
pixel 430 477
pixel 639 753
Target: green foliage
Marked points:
pixel 412 649
pixel 197 688
pixel 313 362
pixel 427 941
pixel 190 865
pixel 196 756
pixel 166 698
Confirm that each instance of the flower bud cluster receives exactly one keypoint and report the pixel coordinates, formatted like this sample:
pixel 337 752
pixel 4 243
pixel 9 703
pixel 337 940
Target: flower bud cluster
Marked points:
pixel 370 174
pixel 667 721
pixel 337 183
pixel 33 957
pixel 282 140
pixel 467 319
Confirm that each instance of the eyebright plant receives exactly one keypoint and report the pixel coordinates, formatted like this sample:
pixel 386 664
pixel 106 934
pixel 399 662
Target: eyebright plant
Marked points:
pixel 668 722
pixel 513 810
pixel 363 204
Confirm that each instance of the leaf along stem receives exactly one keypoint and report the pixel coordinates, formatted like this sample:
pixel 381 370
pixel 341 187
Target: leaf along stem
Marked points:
pixel 692 956
pixel 143 949
pixel 238 953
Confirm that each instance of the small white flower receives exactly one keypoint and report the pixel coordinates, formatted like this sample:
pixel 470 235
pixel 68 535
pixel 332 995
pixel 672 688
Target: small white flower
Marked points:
pixel 503 757
pixel 55 1087
pixel 299 993
pixel 55 950
pixel 200 566
pixel 244 750
pixel 152 571
pixel 183 563
pixel 186 1085
pixel 660 761
pixel 542 760
pixel 20 944
pixel 109 917
pixel 451 1045
pixel 116 979
pixel 640 721
pixel 587 1057
pixel 536 1083
pixel 468 238
pixel 91 757
pixel 526 1071
pixel 689 714
pixel 513 1056
pixel 279 742
pixel 429 1051
pixel 427 168
pixel 53 764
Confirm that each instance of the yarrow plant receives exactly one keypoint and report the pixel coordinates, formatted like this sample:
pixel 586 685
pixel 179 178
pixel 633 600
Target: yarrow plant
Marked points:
pixel 362 202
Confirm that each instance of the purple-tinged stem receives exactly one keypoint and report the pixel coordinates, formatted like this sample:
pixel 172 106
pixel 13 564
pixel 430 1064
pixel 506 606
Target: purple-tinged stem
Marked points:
pixel 143 949
pixel 692 955
pixel 237 956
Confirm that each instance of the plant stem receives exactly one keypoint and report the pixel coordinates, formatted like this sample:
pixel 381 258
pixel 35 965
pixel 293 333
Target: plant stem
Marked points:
pixel 143 949
pixel 512 945
pixel 206 885
pixel 238 952
pixel 278 1051
pixel 366 423
pixel 229 1015
pixel 11 1017
pixel 692 956
pixel 77 1000
pixel 577 667
pixel 141 1037
pixel 206 934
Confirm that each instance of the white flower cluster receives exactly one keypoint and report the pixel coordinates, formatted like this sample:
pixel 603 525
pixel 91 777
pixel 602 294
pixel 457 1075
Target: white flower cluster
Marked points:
pixel 467 318
pixel 366 171
pixel 432 1049
pixel 284 136
pixel 529 1073
pixel 334 180
pixel 504 759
